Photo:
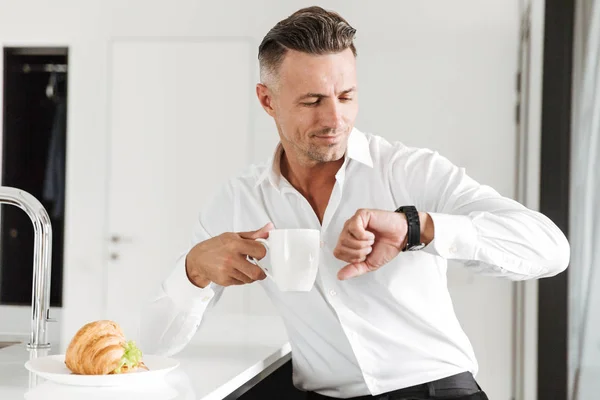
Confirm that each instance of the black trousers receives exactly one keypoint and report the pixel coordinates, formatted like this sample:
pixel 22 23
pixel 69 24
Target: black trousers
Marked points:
pixel 457 387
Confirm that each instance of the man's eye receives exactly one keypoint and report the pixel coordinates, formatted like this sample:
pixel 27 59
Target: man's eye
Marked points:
pixel 312 103
pixel 345 99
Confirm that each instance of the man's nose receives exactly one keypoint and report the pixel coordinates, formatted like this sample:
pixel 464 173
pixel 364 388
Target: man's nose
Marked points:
pixel 332 116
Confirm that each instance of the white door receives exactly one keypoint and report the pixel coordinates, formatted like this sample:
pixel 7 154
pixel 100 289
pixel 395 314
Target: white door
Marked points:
pixel 180 126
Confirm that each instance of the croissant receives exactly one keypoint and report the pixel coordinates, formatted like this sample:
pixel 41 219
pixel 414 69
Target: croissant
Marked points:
pixel 100 348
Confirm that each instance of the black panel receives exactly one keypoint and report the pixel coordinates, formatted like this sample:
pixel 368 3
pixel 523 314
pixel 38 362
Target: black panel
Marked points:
pixel 554 193
pixel 276 386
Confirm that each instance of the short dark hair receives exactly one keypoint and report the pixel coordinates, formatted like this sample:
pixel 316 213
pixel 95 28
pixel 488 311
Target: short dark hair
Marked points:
pixel 311 30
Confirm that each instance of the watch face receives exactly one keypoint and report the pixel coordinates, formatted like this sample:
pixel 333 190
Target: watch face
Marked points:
pixel 417 247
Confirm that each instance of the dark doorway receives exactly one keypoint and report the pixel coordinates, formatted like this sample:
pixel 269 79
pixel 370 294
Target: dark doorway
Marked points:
pixel 33 159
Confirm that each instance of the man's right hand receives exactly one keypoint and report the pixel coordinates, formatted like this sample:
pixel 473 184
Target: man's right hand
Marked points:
pixel 222 259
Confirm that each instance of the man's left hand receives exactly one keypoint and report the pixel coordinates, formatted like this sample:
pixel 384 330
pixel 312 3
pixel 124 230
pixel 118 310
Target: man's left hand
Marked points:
pixel 371 239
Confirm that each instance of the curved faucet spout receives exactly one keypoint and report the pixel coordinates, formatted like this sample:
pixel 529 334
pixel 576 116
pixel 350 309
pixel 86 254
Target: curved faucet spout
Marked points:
pixel 42 261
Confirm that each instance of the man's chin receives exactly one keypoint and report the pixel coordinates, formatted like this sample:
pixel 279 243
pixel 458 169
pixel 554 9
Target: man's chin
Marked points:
pixel 330 156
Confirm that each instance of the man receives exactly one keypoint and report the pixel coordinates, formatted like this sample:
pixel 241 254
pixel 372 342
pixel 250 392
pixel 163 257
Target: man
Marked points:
pixel 379 321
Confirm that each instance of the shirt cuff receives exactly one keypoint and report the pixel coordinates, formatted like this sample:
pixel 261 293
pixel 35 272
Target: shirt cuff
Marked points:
pixel 183 292
pixel 455 237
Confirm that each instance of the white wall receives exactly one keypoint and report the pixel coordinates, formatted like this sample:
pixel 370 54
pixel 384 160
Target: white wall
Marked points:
pixel 435 74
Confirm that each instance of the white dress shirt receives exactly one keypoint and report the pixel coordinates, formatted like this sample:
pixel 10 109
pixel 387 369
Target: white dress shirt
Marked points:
pixel 387 329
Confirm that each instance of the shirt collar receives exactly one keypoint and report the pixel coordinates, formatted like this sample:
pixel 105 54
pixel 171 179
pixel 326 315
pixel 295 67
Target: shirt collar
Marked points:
pixel 358 150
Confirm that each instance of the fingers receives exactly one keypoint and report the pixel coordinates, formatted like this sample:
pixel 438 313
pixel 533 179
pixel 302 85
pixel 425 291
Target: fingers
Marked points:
pixel 233 281
pixel 355 242
pixel 237 275
pixel 347 241
pixel 261 233
pixel 251 271
pixel 356 227
pixel 353 270
pixel 352 255
pixel 239 271
pixel 234 268
pixel 251 248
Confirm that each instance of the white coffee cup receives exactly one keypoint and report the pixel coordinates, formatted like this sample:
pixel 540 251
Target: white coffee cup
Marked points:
pixel 293 256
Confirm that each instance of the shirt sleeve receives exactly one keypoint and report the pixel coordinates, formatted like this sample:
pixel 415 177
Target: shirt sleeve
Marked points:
pixel 171 318
pixel 474 224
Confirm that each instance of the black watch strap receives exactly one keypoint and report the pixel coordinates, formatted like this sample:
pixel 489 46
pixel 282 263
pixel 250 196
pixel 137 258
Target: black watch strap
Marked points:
pixel 414 227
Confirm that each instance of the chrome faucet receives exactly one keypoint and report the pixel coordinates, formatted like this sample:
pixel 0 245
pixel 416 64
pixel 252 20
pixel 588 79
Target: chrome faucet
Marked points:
pixel 42 262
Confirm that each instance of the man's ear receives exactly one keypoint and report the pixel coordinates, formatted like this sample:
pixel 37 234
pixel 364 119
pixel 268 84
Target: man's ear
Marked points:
pixel 265 97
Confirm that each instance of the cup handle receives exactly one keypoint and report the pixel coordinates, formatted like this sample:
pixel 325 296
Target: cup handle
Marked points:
pixel 265 243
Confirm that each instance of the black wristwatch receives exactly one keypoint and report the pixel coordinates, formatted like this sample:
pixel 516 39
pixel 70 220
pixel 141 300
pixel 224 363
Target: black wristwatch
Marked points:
pixel 414 228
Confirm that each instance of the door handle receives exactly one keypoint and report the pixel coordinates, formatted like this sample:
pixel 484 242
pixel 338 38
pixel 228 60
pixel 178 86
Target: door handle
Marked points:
pixel 120 239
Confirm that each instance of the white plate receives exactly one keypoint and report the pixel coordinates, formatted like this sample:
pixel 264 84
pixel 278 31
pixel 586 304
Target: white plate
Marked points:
pixel 53 368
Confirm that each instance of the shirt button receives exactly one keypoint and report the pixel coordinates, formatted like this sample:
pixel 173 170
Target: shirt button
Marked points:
pixel 322 244
pixel 205 298
pixel 332 292
pixel 453 249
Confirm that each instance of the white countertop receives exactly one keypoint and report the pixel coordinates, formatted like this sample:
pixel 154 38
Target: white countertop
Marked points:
pixel 228 355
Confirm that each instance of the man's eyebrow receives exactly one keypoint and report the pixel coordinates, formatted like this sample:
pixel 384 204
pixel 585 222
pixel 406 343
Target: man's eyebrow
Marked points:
pixel 352 89
pixel 320 95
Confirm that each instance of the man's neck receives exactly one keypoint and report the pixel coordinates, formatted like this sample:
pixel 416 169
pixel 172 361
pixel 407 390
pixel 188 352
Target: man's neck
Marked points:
pixel 314 181
pixel 308 177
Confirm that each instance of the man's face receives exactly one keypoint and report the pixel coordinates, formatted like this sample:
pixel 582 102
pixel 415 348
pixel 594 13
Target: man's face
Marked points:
pixel 314 103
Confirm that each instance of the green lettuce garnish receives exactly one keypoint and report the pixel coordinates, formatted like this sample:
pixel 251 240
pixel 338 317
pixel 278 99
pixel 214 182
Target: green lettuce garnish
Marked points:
pixel 131 358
